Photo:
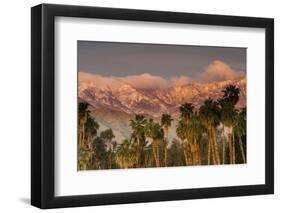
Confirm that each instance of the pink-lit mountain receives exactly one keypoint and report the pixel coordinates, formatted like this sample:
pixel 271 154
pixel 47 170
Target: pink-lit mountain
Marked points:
pixel 114 94
pixel 114 101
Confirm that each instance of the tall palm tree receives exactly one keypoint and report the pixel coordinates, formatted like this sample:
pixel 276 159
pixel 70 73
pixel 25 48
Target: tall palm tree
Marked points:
pixel 108 135
pixel 148 156
pixel 156 133
pixel 194 133
pixel 83 158
pixel 83 114
pixel 91 127
pixel 240 130
pixel 176 154
pixel 87 127
pixel 210 116
pixel 100 156
pixel 186 110
pixel 166 122
pixel 230 98
pixel 228 114
pixel 138 125
pixel 181 131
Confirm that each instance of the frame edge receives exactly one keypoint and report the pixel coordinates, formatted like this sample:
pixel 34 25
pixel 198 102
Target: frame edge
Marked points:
pixel 36 85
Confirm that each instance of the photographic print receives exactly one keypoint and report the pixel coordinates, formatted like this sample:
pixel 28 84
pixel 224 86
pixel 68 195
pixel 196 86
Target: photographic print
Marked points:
pixel 159 105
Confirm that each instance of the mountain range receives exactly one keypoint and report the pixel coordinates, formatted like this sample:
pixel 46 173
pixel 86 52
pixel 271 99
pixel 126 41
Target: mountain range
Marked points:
pixel 113 101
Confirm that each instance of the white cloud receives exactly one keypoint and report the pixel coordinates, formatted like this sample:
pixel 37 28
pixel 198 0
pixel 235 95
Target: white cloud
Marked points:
pixel 216 71
pixel 146 81
pixel 180 81
pixel 219 71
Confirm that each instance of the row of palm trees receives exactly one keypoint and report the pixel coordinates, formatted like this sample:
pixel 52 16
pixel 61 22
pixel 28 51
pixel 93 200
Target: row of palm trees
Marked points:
pixel 205 136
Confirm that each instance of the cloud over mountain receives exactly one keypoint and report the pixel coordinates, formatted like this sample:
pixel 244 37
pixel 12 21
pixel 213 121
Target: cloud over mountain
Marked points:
pixel 146 81
pixel 214 72
pixel 219 71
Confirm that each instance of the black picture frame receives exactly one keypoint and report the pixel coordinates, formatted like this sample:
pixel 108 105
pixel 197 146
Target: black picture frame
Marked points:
pixel 43 110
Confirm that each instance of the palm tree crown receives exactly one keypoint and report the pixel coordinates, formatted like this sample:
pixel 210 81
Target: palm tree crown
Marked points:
pixel 186 110
pixel 231 94
pixel 166 120
pixel 210 113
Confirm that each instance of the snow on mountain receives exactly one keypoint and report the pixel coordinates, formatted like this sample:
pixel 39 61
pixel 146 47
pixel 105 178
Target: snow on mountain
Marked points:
pixel 115 94
pixel 114 102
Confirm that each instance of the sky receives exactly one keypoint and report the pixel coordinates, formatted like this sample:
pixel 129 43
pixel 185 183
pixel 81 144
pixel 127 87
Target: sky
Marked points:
pixel 170 62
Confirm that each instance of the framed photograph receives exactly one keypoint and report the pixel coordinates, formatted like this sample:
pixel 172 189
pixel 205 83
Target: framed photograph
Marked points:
pixel 139 106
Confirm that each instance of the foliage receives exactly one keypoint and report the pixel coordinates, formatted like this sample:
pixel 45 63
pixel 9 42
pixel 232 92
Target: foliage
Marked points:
pixel 202 137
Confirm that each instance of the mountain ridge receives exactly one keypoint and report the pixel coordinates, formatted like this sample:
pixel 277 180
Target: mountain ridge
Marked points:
pixel 154 102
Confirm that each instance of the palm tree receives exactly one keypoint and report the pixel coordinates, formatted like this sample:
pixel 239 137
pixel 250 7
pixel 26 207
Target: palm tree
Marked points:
pixel 228 114
pixel 186 111
pixel 148 156
pixel 176 154
pixel 125 156
pixel 138 136
pixel 230 99
pixel 166 122
pixel 156 133
pixel 181 131
pixel 88 127
pixel 194 133
pixel 91 127
pixel 107 135
pixel 231 94
pixel 240 130
pixel 100 156
pixel 84 158
pixel 210 116
pixel 83 114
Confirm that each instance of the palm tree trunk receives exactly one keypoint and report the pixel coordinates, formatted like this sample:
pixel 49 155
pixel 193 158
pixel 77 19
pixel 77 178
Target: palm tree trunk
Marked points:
pixel 233 150
pixel 216 147
pixel 185 155
pixel 139 151
pixel 198 154
pixel 209 152
pixel 83 133
pixel 223 146
pixel 189 154
pixel 80 135
pixel 230 148
pixel 83 129
pixel 194 158
pixel 158 156
pixel 166 148
pixel 195 153
pixel 155 153
pixel 211 141
pixel 212 151
pixel 223 151
pixel 242 150
pixel 109 160
pixel 166 155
